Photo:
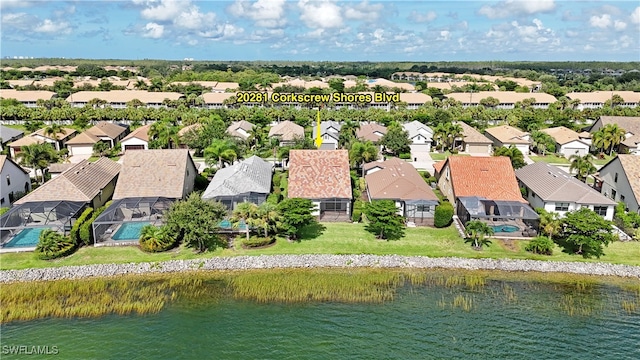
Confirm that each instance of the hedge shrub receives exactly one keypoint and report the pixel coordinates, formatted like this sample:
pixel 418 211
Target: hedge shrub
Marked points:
pixel 541 245
pixel 86 233
pixel 276 180
pixel 256 241
pixel 405 156
pixel 443 215
pixel 356 214
pixel 74 234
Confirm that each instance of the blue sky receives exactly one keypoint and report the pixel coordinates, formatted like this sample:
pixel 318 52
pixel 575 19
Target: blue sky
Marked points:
pixel 318 30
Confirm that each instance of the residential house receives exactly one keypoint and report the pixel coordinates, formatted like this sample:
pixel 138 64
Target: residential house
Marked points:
pixel 508 136
pixel 472 141
pixel 414 100
pixel 631 126
pixel 138 139
pixel 9 135
pixel 322 176
pixel 240 129
pixel 104 131
pixel 217 100
pixel 554 190
pixel 186 130
pixel 371 132
pixel 14 179
pixel 397 180
pixel 58 141
pixel 506 99
pixel 330 133
pixel 486 189
pixel 58 168
pixel 28 98
pixel 568 142
pixel 246 181
pixel 597 99
pixel 287 132
pixel 91 183
pixel 168 173
pixel 420 135
pixel 118 99
pixel 619 180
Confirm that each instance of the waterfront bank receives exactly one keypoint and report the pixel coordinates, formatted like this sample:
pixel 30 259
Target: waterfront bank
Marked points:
pixel 317 261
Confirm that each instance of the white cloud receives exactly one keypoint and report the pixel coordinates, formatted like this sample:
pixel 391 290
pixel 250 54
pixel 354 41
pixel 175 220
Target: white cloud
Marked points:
pixel 422 18
pixel 6 4
pixel 265 13
pixel 166 9
pixel 223 31
pixel 445 35
pixel 602 22
pixel 153 30
pixel 635 16
pixel 323 14
pixel 193 19
pixel 364 11
pixel 50 27
pixel 509 8
pixel 619 25
pixel 378 36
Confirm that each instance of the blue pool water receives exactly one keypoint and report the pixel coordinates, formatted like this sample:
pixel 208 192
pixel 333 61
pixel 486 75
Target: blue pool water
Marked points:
pixel 226 224
pixel 28 237
pixel 129 230
pixel 505 228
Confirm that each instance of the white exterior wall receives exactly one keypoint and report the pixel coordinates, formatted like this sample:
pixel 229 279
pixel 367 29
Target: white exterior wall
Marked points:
pixel 18 181
pixel 316 212
pixel 524 148
pixel 400 206
pixel 134 141
pixel 550 206
pixel 621 187
pixel 80 150
pixel 570 148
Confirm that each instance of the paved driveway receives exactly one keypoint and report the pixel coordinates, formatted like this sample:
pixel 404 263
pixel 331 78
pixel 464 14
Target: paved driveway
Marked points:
pixel 422 161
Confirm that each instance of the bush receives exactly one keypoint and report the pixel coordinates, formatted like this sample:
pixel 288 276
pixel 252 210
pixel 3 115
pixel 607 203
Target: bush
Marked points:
pixel 209 172
pixel 273 198
pixel 405 156
pixel 443 215
pixel 74 234
pixel 201 183
pixel 53 245
pixel 540 245
pixel 86 229
pixel 256 241
pixel 276 180
pixel 356 214
pixel 155 239
pixel 4 210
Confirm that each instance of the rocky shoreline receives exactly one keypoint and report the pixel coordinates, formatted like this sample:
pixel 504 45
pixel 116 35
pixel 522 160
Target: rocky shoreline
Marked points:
pixel 316 261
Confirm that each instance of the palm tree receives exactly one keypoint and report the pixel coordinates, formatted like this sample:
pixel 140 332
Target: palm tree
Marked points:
pixel 476 232
pixel 246 213
pixel 100 148
pixel 54 129
pixel 52 244
pixel 583 165
pixel 348 133
pixel 615 134
pixel 362 153
pixel 600 140
pixel 549 222
pixel 38 156
pixel 221 151
pixel 154 239
pixel 268 217
pixel 164 134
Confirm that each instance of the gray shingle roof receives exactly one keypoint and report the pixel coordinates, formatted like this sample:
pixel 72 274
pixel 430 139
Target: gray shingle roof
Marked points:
pixel 552 184
pixel 250 175
pixel 8 134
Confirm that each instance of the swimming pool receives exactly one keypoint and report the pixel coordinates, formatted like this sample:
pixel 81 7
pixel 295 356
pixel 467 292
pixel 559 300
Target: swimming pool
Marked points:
pixel 28 237
pixel 130 230
pixel 505 228
pixel 226 224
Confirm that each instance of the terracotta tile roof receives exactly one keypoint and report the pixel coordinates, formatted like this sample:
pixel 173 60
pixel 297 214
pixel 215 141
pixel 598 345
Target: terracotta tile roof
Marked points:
pixel 508 134
pixel 59 136
pixel 83 139
pixel 562 135
pixel 398 180
pixel 4 159
pixel 82 182
pixel 141 133
pixel 437 166
pixel 149 173
pixel 472 135
pixel 553 184
pixel 370 132
pixel 106 129
pixel 319 174
pixel 287 131
pixel 489 177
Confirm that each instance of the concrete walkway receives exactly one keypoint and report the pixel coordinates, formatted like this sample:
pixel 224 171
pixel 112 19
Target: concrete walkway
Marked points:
pixel 422 161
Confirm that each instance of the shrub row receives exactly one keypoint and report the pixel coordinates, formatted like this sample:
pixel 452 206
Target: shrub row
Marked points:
pixel 256 241
pixel 74 234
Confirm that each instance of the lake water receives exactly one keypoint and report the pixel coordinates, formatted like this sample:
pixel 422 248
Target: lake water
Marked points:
pixel 501 320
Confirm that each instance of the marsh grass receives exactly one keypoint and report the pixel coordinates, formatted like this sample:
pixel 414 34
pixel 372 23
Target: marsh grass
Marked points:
pixel 464 302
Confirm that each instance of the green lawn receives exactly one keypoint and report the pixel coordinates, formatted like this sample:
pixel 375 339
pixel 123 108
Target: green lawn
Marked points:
pixel 18 127
pixel 95 158
pixel 603 161
pixel 551 159
pixel 337 238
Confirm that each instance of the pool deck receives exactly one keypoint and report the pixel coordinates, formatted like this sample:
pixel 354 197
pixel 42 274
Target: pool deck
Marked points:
pixel 4 250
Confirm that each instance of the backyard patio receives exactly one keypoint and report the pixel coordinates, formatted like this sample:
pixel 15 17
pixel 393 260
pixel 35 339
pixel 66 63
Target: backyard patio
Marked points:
pixel 508 219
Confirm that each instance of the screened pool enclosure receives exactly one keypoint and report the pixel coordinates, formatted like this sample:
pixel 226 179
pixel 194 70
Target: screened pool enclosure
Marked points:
pixel 507 218
pixel 55 215
pixel 124 218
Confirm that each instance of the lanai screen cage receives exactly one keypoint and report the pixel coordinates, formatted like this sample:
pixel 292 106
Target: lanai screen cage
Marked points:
pixel 131 210
pixel 420 211
pixel 505 217
pixel 55 215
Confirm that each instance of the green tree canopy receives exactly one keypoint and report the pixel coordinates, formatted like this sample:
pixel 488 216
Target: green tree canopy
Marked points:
pixel 384 220
pixel 517 159
pixel 295 214
pixel 585 233
pixel 396 140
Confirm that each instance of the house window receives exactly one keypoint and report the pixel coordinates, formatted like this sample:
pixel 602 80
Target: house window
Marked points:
pixel 423 208
pixel 613 194
pixel 600 210
pixel 615 179
pixel 622 198
pixel 562 206
pixel 8 180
